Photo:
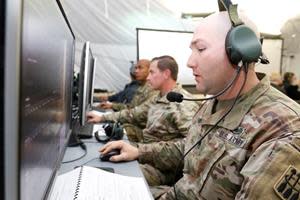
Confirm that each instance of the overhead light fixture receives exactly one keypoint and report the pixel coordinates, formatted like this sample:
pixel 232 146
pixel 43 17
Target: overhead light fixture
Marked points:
pixel 194 15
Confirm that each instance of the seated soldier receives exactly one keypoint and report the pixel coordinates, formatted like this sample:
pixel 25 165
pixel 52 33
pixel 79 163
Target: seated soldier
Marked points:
pixel 141 94
pixel 291 85
pixel 245 143
pixel 165 121
pixel 276 81
pixel 125 95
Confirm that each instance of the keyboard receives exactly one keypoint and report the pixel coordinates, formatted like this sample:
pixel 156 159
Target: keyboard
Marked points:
pixel 85 131
pixel 99 109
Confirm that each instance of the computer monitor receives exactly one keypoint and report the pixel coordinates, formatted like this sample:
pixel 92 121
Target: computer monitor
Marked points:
pixel 39 60
pixel 92 80
pixel 2 23
pixel 86 82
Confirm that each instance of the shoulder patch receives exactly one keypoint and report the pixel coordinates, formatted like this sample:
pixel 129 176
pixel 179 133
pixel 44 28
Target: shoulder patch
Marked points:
pixel 288 185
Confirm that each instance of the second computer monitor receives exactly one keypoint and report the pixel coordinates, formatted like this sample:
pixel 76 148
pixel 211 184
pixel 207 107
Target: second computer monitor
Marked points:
pixel 90 78
pixel 86 82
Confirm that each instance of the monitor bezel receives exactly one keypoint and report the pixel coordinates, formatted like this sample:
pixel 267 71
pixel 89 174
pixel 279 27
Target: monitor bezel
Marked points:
pixel 93 79
pixel 12 46
pixel 11 97
pixel 83 83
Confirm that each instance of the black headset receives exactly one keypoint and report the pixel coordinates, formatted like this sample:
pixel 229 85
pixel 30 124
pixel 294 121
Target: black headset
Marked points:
pixel 113 131
pixel 241 42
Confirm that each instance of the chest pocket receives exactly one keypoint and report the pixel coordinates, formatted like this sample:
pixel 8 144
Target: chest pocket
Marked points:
pixel 202 158
pixel 216 165
pixel 223 179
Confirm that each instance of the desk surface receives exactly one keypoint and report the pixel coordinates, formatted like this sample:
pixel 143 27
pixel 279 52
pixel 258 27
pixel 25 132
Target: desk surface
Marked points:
pixel 92 159
pixel 63 186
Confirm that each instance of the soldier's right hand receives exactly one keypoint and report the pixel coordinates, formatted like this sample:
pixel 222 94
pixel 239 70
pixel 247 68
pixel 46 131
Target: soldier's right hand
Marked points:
pixel 105 105
pixel 127 151
pixel 93 118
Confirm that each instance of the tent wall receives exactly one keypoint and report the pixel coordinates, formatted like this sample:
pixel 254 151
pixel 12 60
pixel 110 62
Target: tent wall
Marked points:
pixel 110 26
pixel 291 47
pixel 272 48
pixel 291 63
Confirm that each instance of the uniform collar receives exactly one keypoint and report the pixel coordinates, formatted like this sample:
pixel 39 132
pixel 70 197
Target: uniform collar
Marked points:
pixel 242 106
pixel 163 99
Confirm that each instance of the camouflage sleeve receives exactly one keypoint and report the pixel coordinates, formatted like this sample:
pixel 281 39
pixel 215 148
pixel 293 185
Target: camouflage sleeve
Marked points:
pixel 273 170
pixel 162 155
pixel 118 106
pixel 143 94
pixel 134 115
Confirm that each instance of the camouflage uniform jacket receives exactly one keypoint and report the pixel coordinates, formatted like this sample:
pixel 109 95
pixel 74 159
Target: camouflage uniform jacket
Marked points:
pixel 164 120
pixel 254 153
pixel 142 94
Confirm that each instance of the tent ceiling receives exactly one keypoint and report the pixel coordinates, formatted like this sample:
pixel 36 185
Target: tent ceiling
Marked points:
pixel 115 21
pixel 110 26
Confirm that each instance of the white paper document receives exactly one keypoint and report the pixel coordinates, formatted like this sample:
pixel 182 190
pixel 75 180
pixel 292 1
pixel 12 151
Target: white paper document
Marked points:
pixel 89 183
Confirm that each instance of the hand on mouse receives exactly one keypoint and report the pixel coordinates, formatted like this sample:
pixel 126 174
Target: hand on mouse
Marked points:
pixel 127 151
pixel 106 157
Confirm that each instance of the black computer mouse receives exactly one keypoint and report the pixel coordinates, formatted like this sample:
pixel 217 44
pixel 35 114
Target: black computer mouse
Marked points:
pixel 106 157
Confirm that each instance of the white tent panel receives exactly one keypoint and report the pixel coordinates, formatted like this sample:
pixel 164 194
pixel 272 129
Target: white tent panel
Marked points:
pixel 154 43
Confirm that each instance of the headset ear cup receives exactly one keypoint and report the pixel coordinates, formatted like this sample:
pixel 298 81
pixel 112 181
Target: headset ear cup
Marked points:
pixel 242 44
pixel 108 128
pixel 101 139
pixel 117 132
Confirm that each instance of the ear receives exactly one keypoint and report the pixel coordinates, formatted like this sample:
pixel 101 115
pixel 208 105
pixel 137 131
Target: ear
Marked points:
pixel 167 73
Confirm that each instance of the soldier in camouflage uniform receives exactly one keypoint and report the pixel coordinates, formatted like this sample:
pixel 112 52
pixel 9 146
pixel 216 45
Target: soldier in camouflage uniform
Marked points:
pixel 252 153
pixel 164 121
pixel 142 93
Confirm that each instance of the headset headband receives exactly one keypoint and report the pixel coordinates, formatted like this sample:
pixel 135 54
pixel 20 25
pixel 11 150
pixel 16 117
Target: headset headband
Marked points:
pixel 226 5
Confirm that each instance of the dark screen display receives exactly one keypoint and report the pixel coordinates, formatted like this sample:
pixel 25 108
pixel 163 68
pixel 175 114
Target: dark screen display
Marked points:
pixel 46 83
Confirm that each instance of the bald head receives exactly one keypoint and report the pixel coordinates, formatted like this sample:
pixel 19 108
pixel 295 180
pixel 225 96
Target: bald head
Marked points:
pixel 209 61
pixel 144 62
pixel 217 25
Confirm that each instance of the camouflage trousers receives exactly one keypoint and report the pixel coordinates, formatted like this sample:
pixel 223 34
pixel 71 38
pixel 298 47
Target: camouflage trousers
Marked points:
pixel 158 191
pixel 158 181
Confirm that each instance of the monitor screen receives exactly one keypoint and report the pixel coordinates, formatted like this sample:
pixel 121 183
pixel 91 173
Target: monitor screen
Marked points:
pixel 46 74
pixel 86 82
